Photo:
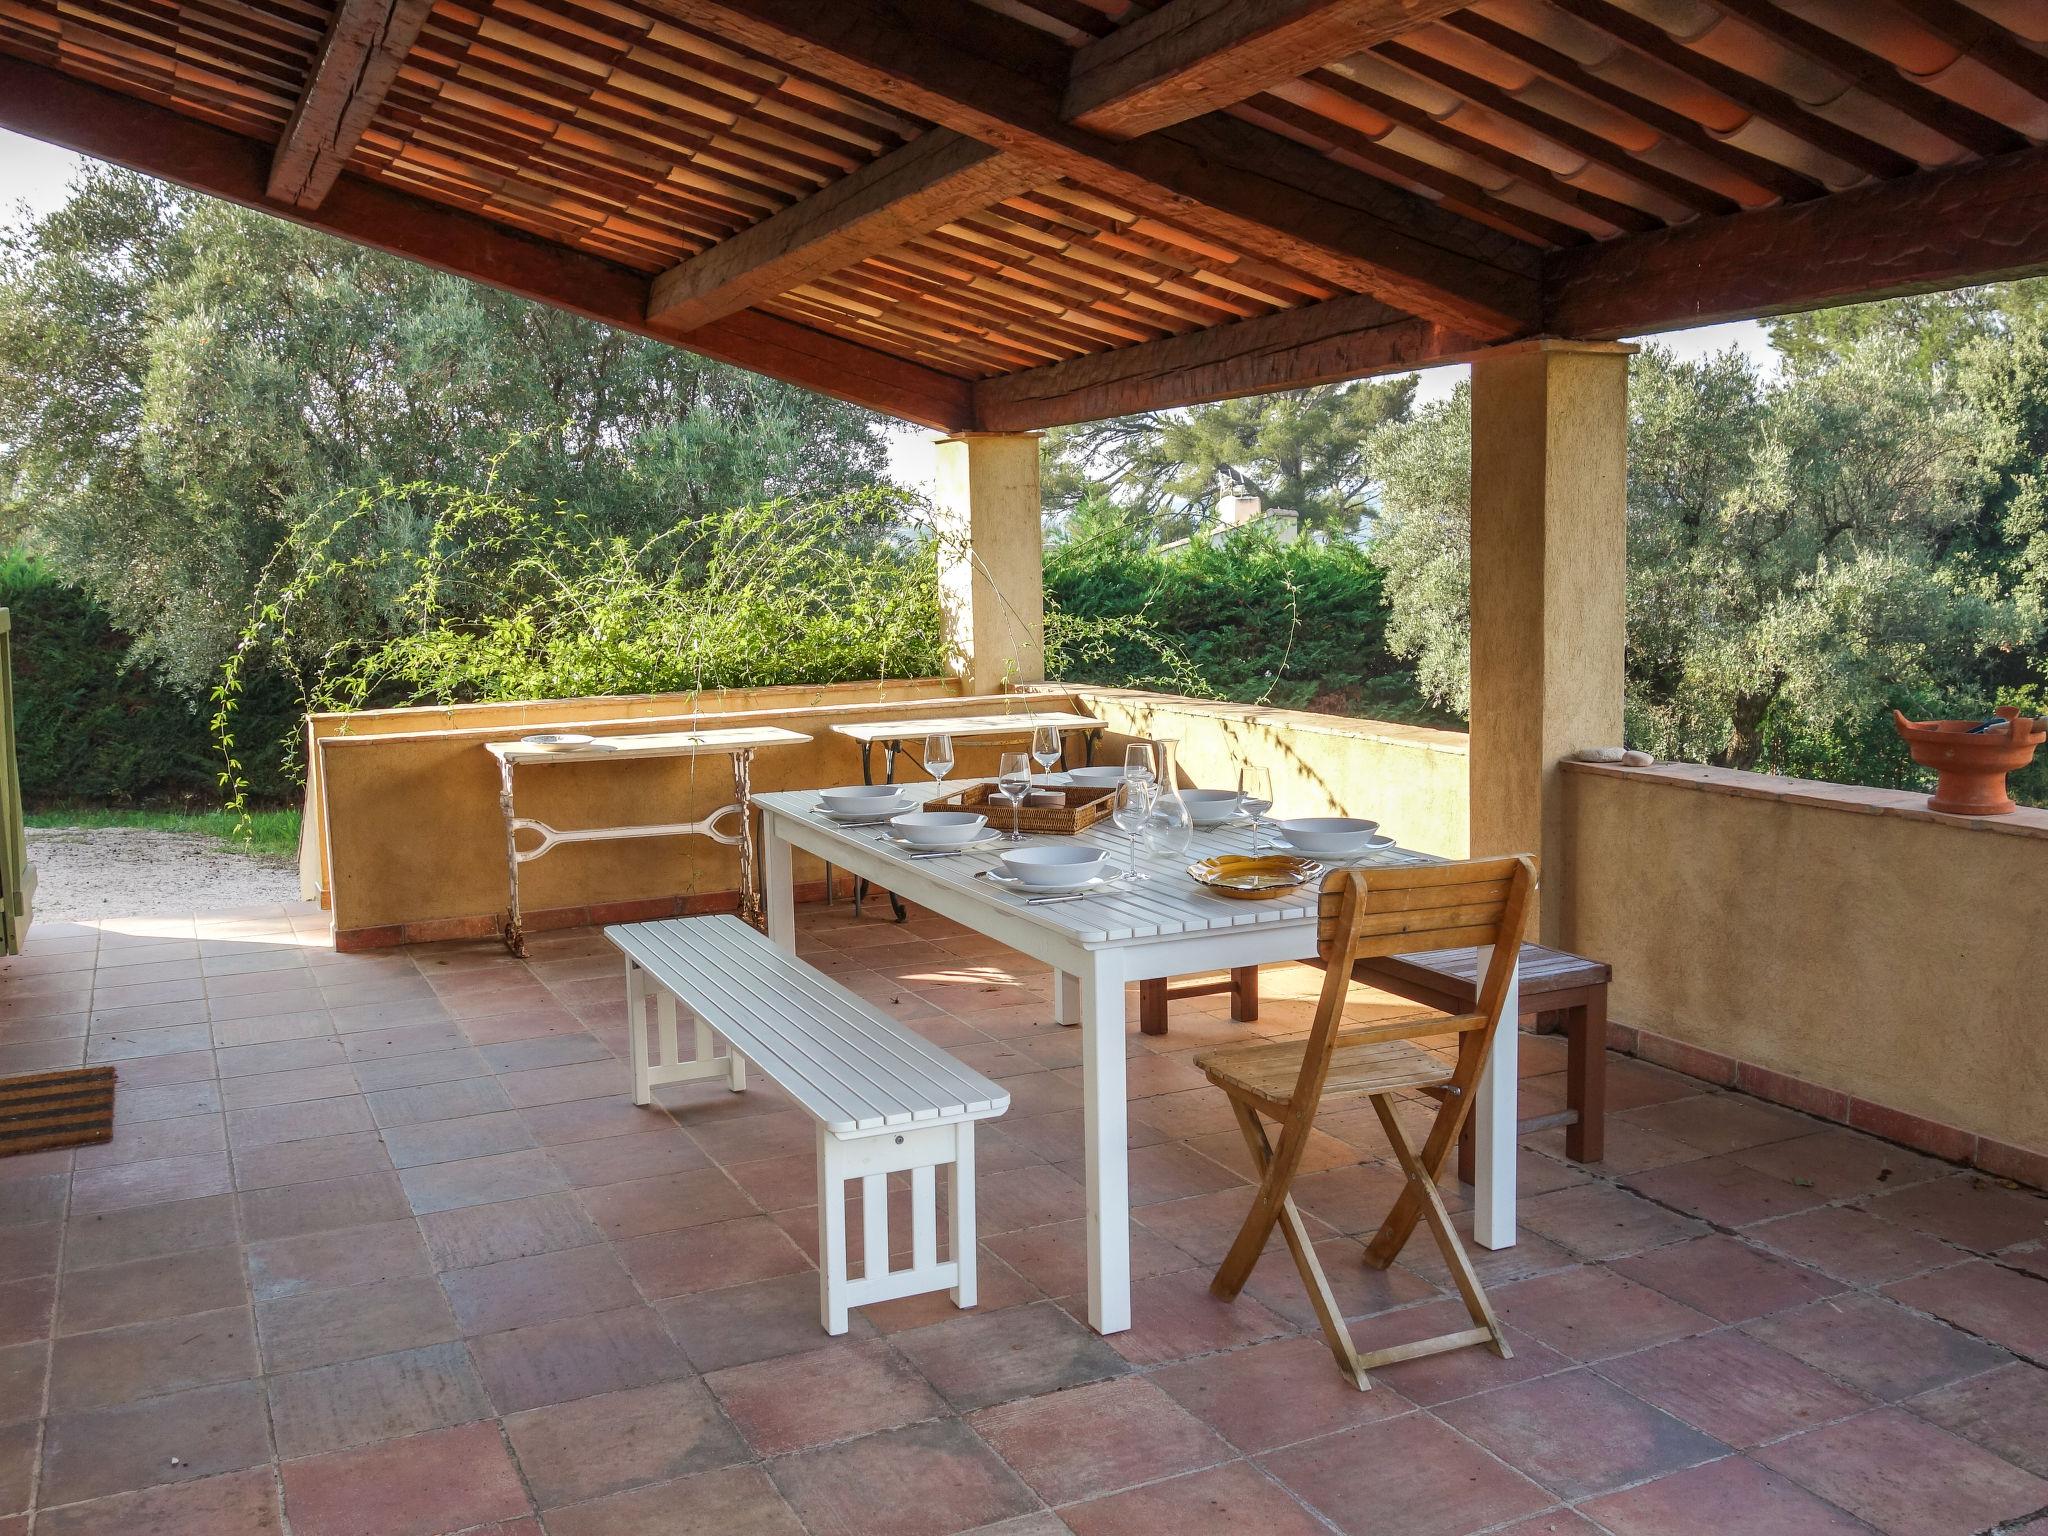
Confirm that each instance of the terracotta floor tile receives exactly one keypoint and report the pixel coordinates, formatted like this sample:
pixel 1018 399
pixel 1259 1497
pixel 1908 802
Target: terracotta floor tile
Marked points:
pixel 323 1327
pixel 691 1198
pixel 293 1210
pixel 1906 1477
pixel 449 1100
pixel 2005 1411
pixel 1842 1163
pixel 1172 1170
pixel 602 1445
pixel 234 1504
pixel 1723 1191
pixel 297 1086
pixel 617 1159
pixel 543 1051
pixel 1275 1394
pixel 30 1249
pixel 1220 1501
pixel 25 1309
pixel 931 1479
pixel 793 1402
pixel 1725 1278
pixel 1968 1210
pixel 369 1045
pixel 436 1187
pixel 1732 1494
pixel 148 1231
pixel 1054 1257
pixel 1854 1246
pixel 711 1257
pixel 449 1141
pixel 577 1357
pixel 174 1439
pixel 1603 1221
pixel 2002 1305
pixel 269 1125
pixel 150 1183
pixel 18 1466
pixel 384 1397
pixel 1734 1387
pixel 321 1261
pixel 979 1361
pixel 147 1140
pixel 999 1286
pixel 723 1503
pixel 1407 1476
pixel 1540 1428
pixel 786 1183
pixel 175 1285
pixel 1096 1439
pixel 314 1161
pixel 1173 1316
pixel 1032 1196
pixel 424 1485
pixel 1591 1313
pixel 24 1369
pixel 118 1365
pixel 559 1085
pixel 509 1229
pixel 718 1329
pixel 1722 1122
pixel 568 1282
pixel 1876 1346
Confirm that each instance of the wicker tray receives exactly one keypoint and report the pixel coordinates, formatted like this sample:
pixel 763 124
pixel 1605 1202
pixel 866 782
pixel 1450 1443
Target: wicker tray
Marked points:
pixel 1086 805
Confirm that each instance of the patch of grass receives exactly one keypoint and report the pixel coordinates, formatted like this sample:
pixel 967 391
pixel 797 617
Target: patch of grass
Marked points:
pixel 275 833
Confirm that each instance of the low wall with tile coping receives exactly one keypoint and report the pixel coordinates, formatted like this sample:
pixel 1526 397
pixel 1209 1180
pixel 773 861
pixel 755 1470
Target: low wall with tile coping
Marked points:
pixel 1839 949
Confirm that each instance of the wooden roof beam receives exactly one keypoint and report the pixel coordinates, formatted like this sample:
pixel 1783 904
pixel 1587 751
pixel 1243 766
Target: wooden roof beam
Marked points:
pixel 1878 77
pixel 62 109
pixel 359 58
pixel 1346 338
pixel 929 182
pixel 1752 95
pixel 1985 221
pixel 1194 56
pixel 991 78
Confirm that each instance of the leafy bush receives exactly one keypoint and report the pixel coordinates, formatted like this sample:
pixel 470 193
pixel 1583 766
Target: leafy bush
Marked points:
pixel 1299 626
pixel 92 724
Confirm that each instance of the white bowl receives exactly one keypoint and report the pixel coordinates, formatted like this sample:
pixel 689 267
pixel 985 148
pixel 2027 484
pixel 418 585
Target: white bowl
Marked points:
pixel 938 829
pixel 1096 778
pixel 862 797
pixel 1328 834
pixel 1210 807
pixel 1054 865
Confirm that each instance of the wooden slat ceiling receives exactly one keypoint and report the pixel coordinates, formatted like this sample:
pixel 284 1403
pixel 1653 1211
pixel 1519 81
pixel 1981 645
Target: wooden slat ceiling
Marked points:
pixel 1514 136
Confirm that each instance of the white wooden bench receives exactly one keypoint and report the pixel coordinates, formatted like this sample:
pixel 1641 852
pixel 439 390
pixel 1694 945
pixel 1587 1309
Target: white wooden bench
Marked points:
pixel 886 1099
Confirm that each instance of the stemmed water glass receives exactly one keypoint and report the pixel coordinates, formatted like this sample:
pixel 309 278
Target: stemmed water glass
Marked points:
pixel 938 757
pixel 1045 747
pixel 1132 810
pixel 1254 796
pixel 1138 762
pixel 1013 783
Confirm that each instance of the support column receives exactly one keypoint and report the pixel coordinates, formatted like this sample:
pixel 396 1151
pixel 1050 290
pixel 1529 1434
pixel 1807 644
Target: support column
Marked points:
pixel 1549 573
pixel 991 558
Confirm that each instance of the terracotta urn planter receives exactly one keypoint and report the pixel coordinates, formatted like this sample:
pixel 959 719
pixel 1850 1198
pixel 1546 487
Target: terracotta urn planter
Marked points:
pixel 1971 759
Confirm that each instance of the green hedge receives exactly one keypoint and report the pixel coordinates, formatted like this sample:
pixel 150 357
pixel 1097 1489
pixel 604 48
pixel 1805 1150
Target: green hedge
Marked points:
pixel 1299 626
pixel 93 726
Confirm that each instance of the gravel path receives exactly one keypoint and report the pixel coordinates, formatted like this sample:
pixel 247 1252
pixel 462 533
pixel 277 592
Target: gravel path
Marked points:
pixel 83 873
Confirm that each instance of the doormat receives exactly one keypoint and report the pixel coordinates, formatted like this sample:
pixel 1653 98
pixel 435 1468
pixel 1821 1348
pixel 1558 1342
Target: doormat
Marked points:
pixel 56 1109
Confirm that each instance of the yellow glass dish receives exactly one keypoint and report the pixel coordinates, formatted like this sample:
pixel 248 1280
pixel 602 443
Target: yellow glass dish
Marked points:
pixel 1249 878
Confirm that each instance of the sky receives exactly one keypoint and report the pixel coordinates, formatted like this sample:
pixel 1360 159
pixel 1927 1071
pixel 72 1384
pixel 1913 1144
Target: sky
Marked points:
pixel 35 174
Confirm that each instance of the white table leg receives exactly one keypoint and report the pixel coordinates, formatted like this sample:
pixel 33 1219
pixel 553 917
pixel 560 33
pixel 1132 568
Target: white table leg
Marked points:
pixel 1495 1122
pixel 779 875
pixel 1108 1156
pixel 1066 999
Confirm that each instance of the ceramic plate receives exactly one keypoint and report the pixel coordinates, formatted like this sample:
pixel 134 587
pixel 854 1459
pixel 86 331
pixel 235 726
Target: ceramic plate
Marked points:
pixel 861 818
pixel 1112 881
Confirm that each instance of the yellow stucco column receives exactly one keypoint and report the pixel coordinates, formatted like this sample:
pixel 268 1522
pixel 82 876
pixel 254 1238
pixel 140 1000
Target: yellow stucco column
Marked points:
pixel 1549 571
pixel 991 558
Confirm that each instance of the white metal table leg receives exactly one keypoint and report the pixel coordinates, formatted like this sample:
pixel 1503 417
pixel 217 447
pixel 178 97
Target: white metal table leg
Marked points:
pixel 1496 1119
pixel 779 875
pixel 1103 1132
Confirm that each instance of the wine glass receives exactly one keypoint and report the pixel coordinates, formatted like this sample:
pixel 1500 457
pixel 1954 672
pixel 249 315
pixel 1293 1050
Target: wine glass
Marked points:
pixel 938 757
pixel 1013 783
pixel 1045 747
pixel 1132 810
pixel 1254 796
pixel 1138 762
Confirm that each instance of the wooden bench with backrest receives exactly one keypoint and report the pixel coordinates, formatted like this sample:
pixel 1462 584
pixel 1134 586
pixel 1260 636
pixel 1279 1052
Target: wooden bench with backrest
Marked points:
pixel 1555 986
pixel 886 1099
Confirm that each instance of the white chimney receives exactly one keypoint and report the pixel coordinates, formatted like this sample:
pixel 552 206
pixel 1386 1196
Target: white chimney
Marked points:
pixel 1237 509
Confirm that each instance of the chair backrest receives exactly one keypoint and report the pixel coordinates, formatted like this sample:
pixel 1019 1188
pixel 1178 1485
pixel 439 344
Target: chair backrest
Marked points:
pixel 1367 914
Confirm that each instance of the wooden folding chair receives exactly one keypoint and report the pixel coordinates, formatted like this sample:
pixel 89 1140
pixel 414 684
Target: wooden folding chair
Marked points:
pixel 1366 915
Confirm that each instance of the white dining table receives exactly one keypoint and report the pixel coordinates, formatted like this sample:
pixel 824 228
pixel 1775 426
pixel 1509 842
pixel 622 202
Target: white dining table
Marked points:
pixel 1162 925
